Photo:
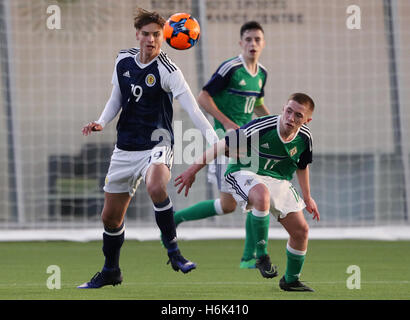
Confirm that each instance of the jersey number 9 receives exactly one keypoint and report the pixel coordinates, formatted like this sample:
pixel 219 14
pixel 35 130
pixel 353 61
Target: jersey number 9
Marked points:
pixel 136 91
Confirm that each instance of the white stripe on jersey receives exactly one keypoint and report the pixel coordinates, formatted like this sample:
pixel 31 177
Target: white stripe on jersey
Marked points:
pixel 229 65
pixel 306 131
pixel 168 64
pixel 131 50
pixel 263 67
pixel 271 121
pixel 226 70
pixel 134 50
pixel 162 58
pixel 128 52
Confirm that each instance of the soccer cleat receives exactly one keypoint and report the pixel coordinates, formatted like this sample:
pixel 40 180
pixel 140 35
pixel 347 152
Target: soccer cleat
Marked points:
pixel 103 278
pixel 247 264
pixel 265 266
pixel 178 262
pixel 294 286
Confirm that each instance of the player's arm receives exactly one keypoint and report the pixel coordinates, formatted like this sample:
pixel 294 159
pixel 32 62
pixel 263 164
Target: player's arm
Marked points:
pixel 187 178
pixel 232 145
pixel 175 82
pixel 261 110
pixel 111 109
pixel 303 179
pixel 188 103
pixel 207 102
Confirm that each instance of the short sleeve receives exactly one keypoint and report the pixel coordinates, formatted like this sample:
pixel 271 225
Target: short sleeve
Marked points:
pixel 305 159
pixel 175 83
pixel 307 156
pixel 217 83
pixel 222 76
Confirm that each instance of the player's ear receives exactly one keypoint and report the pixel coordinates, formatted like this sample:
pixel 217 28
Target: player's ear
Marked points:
pixel 309 117
pixel 263 42
pixel 137 35
pixel 309 114
pixel 241 42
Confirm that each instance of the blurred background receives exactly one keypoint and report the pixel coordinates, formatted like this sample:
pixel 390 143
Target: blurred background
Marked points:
pixel 353 61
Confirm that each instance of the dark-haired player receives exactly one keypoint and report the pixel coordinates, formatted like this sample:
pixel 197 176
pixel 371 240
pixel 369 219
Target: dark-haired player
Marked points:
pixel 232 96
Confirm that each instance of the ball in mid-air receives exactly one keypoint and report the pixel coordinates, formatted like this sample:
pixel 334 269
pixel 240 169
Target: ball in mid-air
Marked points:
pixel 181 31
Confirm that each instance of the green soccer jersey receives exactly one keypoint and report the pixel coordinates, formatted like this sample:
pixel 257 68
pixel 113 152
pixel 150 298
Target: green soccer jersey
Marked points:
pixel 235 91
pixel 268 154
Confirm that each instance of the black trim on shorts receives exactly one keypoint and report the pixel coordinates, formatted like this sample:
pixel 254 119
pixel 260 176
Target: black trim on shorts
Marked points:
pixel 234 184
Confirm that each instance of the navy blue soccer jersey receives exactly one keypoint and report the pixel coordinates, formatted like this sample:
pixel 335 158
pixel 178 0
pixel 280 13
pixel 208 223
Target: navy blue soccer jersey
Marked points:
pixel 147 92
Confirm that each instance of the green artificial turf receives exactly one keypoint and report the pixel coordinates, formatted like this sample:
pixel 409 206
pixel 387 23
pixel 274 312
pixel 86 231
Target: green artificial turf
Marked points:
pixel 384 271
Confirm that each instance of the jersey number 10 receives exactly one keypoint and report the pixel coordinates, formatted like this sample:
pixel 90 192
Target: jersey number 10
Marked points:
pixel 249 104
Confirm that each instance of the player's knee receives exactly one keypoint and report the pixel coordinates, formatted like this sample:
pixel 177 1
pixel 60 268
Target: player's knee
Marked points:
pixel 111 221
pixel 157 192
pixel 302 232
pixel 259 197
pixel 228 207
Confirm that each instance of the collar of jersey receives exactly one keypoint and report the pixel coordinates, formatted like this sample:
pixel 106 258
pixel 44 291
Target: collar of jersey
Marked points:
pixel 247 70
pixel 143 65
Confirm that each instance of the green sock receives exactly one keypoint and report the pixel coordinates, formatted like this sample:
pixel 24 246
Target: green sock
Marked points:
pixel 201 210
pixel 294 266
pixel 260 227
pixel 250 244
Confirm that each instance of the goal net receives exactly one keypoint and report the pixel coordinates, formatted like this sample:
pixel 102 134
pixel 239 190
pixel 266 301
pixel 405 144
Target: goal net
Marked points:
pixel 57 58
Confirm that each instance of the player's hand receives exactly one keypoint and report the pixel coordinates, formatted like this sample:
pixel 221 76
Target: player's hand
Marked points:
pixel 91 126
pixel 185 180
pixel 230 125
pixel 311 207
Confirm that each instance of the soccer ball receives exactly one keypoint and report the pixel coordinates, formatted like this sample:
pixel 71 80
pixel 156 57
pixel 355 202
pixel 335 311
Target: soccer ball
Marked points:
pixel 181 31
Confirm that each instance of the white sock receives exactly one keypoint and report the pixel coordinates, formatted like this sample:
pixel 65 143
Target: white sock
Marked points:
pixel 258 213
pixel 294 251
pixel 218 207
